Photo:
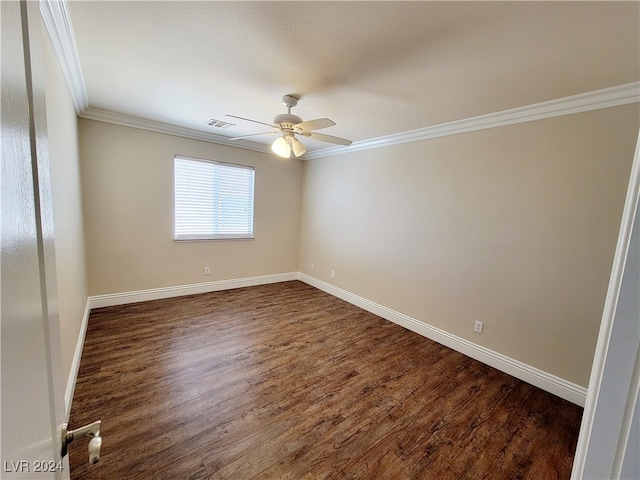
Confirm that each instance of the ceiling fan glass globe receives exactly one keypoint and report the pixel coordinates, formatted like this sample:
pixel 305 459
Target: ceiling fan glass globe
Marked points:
pixel 297 147
pixel 281 148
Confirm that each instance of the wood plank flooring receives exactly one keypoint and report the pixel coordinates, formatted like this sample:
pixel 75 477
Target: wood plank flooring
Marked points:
pixel 283 381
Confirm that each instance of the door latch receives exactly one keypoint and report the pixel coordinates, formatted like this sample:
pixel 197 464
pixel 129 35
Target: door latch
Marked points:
pixel 92 430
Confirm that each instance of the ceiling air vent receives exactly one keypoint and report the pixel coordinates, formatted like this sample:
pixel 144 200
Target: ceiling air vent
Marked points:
pixel 219 123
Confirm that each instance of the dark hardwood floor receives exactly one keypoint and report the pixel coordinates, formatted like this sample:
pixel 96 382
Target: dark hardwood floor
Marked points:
pixel 285 381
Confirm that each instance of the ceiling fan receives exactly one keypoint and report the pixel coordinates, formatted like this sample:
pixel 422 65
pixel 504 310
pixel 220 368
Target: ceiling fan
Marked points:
pixel 289 125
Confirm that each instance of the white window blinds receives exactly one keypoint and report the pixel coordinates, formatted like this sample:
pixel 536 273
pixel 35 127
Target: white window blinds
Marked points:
pixel 212 200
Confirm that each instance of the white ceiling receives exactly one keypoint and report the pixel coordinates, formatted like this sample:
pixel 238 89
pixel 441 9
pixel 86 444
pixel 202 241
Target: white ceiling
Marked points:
pixel 375 68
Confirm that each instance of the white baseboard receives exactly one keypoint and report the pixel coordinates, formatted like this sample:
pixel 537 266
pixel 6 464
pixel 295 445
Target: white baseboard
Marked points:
pixel 75 364
pixel 154 294
pixel 546 381
pixel 123 298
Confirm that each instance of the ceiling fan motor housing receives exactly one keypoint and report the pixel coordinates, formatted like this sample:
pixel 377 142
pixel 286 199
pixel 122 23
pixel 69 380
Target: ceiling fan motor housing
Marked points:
pixel 287 120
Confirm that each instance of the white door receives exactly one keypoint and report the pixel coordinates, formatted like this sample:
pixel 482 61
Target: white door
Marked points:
pixel 609 435
pixel 31 400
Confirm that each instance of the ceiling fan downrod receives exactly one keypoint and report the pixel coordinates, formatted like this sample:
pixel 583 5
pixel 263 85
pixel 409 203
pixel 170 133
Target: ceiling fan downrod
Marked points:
pixel 288 120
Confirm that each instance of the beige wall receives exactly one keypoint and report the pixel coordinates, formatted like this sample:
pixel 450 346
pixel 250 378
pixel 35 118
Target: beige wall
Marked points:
pixel 514 226
pixel 67 207
pixel 127 179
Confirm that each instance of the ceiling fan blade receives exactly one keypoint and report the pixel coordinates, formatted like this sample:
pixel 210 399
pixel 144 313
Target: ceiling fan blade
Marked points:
pixel 252 135
pixel 327 138
pixel 254 121
pixel 316 124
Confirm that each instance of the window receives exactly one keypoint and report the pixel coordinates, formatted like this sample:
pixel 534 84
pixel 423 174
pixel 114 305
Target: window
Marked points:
pixel 212 200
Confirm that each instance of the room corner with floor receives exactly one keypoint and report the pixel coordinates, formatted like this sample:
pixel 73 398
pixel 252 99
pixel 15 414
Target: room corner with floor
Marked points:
pixel 429 271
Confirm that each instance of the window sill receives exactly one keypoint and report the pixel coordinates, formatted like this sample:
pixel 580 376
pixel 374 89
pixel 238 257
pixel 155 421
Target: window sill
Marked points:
pixel 216 238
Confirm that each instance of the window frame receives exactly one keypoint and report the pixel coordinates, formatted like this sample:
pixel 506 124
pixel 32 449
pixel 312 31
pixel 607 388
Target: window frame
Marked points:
pixel 196 237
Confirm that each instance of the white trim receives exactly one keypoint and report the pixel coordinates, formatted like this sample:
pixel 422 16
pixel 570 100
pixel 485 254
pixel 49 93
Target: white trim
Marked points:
pixel 57 22
pixel 584 102
pixel 125 120
pixel 75 364
pixel 627 421
pixel 546 381
pixel 608 316
pixel 123 298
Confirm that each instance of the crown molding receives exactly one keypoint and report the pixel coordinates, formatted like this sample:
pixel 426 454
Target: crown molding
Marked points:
pixel 125 120
pixel 57 22
pixel 58 25
pixel 584 102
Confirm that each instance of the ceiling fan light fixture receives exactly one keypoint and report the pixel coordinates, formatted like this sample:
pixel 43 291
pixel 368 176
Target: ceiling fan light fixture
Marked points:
pixel 281 147
pixel 297 147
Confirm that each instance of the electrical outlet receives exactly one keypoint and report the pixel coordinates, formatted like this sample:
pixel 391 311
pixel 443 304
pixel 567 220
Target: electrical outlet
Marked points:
pixel 478 326
pixel 333 274
pixel 207 270
pixel 313 267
